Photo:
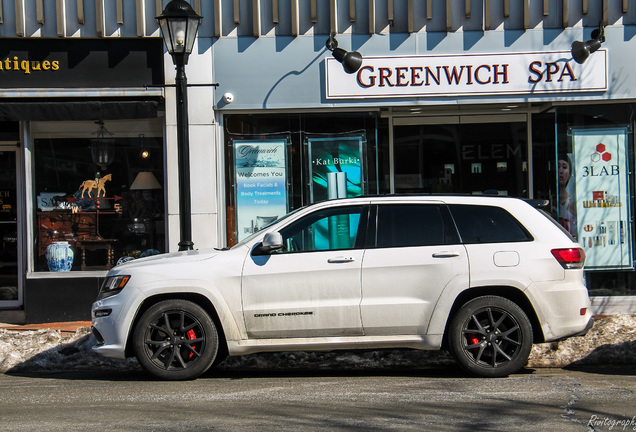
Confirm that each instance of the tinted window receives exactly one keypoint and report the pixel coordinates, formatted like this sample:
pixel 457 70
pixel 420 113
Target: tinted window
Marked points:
pixel 411 225
pixel 329 229
pixel 485 224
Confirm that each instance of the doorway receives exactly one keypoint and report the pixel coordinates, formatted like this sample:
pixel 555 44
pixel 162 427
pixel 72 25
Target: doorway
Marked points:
pixel 461 154
pixel 10 232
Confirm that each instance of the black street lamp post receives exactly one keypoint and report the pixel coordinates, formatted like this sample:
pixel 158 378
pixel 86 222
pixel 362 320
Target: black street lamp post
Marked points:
pixel 179 25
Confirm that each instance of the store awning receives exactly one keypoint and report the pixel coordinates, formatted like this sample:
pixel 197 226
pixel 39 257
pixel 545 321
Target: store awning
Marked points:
pixel 67 110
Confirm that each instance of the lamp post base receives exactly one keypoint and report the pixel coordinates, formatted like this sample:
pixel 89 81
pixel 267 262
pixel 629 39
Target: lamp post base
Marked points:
pixel 186 245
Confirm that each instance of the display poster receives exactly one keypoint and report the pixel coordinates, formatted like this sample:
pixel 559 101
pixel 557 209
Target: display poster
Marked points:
pixel 336 171
pixel 261 183
pixel 335 167
pixel 602 197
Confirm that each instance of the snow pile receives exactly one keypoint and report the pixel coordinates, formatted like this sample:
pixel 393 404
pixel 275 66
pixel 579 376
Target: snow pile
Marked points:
pixel 612 340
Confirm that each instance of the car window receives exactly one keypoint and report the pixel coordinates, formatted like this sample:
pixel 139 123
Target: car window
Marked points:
pixel 328 229
pixel 411 225
pixel 487 224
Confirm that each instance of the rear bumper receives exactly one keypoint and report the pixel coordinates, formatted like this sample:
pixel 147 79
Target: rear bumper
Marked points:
pixel 587 328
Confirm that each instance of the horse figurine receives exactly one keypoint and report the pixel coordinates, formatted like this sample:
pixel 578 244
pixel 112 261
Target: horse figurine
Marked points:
pixel 99 184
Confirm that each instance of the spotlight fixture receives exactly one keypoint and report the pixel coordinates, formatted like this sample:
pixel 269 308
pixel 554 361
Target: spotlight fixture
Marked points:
pixel 351 61
pixel 582 50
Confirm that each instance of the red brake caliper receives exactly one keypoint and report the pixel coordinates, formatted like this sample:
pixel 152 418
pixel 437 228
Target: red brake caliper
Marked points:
pixel 191 336
pixel 473 341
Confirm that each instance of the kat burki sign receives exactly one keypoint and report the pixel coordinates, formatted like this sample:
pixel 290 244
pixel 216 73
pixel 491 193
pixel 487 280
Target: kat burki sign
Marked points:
pixel 466 75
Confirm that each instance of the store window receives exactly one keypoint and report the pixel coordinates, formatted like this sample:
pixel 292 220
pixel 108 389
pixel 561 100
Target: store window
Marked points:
pixel 471 158
pixel 98 193
pixel 277 163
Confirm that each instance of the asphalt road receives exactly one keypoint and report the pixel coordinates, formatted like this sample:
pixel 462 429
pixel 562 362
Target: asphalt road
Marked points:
pixel 378 400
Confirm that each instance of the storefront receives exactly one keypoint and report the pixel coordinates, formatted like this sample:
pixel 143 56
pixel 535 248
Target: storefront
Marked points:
pixel 83 157
pixel 475 112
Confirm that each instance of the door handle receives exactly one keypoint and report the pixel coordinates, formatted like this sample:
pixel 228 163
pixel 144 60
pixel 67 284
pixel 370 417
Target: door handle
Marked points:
pixel 341 260
pixel 446 254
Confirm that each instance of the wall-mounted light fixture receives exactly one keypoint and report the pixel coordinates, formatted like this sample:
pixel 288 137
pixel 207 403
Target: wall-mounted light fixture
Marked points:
pixel 582 50
pixel 351 61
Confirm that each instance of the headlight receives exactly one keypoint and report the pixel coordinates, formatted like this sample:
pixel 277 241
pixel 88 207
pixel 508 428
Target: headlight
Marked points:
pixel 112 285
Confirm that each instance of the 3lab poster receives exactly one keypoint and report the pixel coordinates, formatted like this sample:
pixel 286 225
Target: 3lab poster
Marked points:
pixel 602 197
pixel 260 168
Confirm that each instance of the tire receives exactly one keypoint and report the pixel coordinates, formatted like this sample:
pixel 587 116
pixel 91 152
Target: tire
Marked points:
pixel 176 340
pixel 490 337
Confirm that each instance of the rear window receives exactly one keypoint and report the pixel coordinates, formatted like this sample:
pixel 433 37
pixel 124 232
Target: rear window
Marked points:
pixel 409 225
pixel 487 224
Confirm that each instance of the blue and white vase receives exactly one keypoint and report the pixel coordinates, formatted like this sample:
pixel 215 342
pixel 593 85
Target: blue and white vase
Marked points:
pixel 59 256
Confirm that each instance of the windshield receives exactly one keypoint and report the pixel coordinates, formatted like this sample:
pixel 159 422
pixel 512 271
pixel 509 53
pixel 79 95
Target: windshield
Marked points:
pixel 253 235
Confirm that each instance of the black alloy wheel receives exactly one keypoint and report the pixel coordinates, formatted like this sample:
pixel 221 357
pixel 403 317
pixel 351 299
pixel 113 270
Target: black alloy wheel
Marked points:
pixel 491 337
pixel 176 340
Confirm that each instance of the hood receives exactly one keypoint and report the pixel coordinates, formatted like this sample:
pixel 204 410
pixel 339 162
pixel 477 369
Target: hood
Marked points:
pixel 169 258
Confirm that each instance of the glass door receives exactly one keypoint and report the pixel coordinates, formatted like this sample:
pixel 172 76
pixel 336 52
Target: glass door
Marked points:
pixel 10 282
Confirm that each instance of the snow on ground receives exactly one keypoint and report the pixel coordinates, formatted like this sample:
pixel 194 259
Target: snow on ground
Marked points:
pixel 612 341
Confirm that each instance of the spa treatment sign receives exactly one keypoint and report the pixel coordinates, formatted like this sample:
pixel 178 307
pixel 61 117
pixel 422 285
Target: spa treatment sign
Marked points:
pixel 260 168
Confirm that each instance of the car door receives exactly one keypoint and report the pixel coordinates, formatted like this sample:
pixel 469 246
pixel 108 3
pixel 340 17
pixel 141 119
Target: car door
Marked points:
pixel 415 255
pixel 311 287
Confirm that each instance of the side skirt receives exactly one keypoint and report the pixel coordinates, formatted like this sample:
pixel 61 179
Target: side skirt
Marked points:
pixel 251 346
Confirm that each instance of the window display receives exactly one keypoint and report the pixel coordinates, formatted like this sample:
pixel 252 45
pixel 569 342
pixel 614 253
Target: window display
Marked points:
pixel 98 193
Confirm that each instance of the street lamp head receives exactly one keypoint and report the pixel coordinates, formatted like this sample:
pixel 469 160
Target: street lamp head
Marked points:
pixel 179 25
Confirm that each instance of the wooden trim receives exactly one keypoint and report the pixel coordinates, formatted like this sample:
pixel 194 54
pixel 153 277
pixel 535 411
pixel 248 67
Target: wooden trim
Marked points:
pixel 352 10
pixel 141 18
pixel 237 12
pixel 295 18
pixel 275 11
pixel 487 13
pixel 218 19
pixel 39 11
pixel 256 18
pixel 80 11
pixel 333 16
pixel 313 11
pixel 60 12
pixel 100 20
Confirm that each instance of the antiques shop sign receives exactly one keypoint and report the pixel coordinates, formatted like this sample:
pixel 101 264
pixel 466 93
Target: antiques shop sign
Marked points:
pixel 468 75
pixel 80 63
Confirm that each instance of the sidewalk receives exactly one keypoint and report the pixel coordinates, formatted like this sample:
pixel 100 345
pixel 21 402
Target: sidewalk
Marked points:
pixel 63 327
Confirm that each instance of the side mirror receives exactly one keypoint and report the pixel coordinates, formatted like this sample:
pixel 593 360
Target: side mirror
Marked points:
pixel 271 242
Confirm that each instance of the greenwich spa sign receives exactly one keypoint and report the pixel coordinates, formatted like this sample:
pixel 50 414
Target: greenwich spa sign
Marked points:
pixel 467 75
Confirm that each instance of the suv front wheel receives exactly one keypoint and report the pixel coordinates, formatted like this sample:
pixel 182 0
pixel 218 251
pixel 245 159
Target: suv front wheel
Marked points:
pixel 490 336
pixel 176 340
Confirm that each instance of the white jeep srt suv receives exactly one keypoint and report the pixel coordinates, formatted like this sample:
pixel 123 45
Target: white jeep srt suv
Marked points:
pixel 484 277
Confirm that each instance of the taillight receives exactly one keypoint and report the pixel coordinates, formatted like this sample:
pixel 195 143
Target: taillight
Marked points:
pixel 572 258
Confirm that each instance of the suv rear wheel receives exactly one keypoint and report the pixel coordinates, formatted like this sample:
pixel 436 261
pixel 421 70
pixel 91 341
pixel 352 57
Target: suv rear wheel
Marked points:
pixel 490 336
pixel 176 340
